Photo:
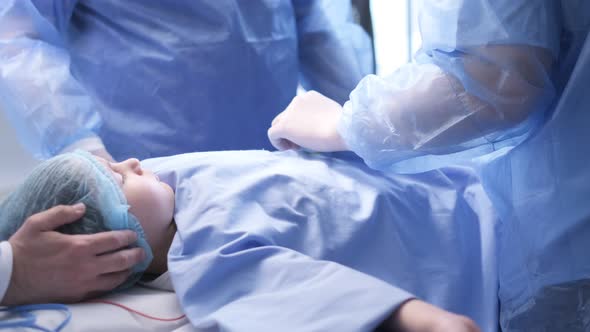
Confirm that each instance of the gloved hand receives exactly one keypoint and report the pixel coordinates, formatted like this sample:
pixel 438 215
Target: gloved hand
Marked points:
pixel 53 267
pixel 310 121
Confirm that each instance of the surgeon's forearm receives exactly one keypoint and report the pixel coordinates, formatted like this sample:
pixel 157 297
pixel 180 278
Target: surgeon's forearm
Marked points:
pixel 40 97
pixel 46 105
pixel 434 108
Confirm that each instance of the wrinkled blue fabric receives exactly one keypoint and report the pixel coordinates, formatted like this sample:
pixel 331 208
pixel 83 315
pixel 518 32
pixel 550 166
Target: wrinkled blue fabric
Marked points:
pixel 542 193
pixel 480 84
pixel 302 242
pixel 155 78
pixel 69 179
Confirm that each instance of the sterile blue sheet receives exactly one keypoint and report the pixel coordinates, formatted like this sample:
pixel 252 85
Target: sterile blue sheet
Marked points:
pixel 297 242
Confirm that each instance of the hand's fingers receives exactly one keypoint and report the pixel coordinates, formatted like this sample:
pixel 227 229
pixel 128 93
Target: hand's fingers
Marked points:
pixel 55 217
pixel 105 242
pixel 119 261
pixel 275 139
pixel 110 281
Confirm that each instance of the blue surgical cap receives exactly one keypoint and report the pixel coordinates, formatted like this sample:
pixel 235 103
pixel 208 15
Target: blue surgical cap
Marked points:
pixel 75 178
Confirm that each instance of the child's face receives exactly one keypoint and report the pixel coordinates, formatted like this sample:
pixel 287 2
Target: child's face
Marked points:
pixel 150 200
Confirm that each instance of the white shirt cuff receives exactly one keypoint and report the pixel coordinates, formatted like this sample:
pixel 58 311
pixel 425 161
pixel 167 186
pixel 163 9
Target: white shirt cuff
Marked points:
pixel 5 267
pixel 89 144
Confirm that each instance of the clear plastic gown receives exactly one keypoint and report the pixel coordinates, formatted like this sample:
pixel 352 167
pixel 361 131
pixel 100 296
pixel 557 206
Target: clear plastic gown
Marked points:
pixel 481 82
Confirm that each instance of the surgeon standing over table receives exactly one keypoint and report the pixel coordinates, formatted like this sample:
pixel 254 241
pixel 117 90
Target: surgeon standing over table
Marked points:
pixel 481 81
pixel 504 86
pixel 147 78
pixel 151 78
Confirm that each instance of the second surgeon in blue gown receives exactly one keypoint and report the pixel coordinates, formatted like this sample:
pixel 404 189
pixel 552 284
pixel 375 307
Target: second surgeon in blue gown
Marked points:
pixel 152 78
pixel 504 84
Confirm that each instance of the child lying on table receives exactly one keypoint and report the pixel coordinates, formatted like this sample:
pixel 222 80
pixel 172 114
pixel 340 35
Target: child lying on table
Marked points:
pixel 256 241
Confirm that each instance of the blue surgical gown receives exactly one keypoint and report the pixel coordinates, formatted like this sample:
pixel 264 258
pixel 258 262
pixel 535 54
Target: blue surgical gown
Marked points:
pixel 155 78
pixel 503 84
pixel 297 242
pixel 541 190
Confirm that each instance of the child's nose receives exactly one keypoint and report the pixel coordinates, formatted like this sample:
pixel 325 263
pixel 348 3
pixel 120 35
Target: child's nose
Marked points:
pixel 134 165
